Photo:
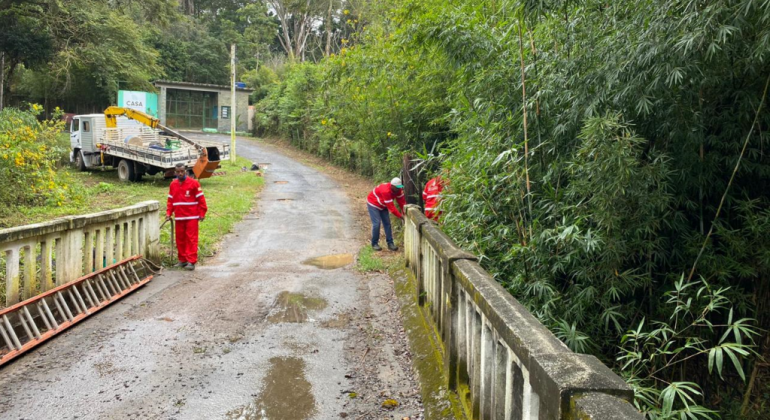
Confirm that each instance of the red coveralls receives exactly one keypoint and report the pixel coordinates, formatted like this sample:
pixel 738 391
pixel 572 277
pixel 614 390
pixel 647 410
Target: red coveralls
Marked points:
pixel 431 196
pixel 188 205
pixel 381 198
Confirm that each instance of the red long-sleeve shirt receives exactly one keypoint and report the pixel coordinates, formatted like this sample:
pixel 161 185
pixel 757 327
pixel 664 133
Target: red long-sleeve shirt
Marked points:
pixel 382 197
pixel 186 200
pixel 432 196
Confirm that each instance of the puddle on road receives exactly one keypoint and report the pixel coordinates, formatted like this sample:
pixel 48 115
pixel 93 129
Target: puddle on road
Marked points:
pixel 293 307
pixel 330 262
pixel 287 394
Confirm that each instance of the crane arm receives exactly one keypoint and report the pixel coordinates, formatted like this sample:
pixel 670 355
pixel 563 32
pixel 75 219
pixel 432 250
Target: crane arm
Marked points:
pixel 111 114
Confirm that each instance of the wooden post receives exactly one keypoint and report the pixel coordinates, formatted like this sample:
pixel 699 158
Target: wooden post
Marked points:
pixel 411 187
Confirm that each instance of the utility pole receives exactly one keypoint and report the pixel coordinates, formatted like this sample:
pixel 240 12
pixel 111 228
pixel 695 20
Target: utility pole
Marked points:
pixel 233 112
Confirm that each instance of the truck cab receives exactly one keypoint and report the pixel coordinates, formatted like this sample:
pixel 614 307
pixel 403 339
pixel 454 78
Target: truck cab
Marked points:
pixel 85 133
pixel 74 130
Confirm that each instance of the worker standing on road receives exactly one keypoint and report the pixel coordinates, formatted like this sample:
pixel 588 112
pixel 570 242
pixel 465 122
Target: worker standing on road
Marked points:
pixel 379 202
pixel 432 197
pixel 188 206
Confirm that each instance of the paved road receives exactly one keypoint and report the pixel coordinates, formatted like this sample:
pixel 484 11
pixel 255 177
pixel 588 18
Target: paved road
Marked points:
pixel 253 333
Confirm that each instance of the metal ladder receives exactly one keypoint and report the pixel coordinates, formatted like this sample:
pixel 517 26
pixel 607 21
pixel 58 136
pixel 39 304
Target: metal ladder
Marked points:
pixel 28 324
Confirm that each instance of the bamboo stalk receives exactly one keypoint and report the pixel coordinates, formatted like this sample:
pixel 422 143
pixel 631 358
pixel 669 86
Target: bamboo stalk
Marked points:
pixel 749 388
pixel 526 135
pixel 730 183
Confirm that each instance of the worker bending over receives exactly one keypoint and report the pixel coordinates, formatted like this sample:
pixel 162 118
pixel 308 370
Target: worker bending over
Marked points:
pixel 188 206
pixel 432 197
pixel 379 202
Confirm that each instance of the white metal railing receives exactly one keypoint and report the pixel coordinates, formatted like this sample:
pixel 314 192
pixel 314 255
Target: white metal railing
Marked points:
pixel 121 134
pixel 36 258
pixel 498 358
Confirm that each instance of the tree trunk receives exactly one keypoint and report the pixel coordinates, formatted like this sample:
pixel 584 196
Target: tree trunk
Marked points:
pixel 329 30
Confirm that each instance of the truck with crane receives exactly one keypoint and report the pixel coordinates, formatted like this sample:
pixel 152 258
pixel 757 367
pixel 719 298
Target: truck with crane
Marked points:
pixel 137 144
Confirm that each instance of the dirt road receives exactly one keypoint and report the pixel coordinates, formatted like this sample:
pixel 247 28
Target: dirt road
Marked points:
pixel 256 332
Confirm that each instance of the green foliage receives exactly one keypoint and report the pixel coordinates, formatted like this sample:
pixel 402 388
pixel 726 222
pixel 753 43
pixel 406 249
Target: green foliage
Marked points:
pixel 363 107
pixel 29 152
pixel 654 356
pixel 25 39
pixel 188 52
pixel 94 47
pixel 635 116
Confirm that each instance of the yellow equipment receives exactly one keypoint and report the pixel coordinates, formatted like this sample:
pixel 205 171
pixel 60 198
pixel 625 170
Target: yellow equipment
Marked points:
pixel 203 168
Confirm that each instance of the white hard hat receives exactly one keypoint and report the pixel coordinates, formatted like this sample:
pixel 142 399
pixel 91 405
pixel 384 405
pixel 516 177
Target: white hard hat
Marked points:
pixel 396 182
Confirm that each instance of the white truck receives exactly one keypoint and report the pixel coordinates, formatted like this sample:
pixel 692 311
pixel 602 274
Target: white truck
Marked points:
pixel 138 145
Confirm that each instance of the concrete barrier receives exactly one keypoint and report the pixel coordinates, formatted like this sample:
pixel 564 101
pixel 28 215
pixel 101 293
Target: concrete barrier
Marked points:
pixel 500 360
pixel 36 258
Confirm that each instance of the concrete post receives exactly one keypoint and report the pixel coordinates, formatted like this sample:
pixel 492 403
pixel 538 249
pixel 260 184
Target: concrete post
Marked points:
pixel 152 251
pixel 233 111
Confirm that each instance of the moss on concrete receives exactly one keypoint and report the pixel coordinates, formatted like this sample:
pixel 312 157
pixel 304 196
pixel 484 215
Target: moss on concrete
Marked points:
pixel 439 402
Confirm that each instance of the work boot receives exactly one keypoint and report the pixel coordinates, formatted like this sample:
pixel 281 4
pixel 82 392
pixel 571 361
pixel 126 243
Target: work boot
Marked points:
pixel 189 267
pixel 181 264
pixel 376 247
pixel 392 247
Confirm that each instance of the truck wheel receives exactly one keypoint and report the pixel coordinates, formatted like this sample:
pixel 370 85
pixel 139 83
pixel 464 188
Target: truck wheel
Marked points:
pixel 126 171
pixel 80 164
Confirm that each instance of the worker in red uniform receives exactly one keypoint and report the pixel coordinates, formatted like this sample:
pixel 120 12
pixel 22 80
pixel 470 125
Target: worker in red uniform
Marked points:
pixel 432 197
pixel 188 206
pixel 380 203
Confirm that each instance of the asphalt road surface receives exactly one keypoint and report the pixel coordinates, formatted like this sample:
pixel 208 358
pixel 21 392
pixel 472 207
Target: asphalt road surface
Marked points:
pixel 256 332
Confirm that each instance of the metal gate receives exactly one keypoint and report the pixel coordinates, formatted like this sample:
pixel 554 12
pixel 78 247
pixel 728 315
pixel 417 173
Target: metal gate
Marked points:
pixel 187 109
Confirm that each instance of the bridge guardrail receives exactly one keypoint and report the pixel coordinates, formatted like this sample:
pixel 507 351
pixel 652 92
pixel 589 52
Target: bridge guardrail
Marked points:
pixel 36 258
pixel 500 360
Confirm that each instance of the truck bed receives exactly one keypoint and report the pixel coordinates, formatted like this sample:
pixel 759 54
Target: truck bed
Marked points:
pixel 114 142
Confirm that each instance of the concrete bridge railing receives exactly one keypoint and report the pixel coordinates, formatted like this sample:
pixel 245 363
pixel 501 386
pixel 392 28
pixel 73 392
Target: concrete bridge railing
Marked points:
pixel 498 358
pixel 36 258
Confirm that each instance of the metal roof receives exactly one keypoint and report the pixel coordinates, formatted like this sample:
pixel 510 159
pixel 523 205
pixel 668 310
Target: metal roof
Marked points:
pixel 172 84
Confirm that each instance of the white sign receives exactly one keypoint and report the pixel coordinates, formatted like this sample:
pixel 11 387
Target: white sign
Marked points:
pixel 134 100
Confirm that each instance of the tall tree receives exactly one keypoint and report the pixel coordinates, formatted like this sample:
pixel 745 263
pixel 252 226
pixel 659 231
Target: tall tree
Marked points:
pixel 25 40
pixel 297 19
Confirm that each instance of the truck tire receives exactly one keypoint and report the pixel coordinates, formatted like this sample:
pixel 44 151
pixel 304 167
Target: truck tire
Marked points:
pixel 80 163
pixel 126 172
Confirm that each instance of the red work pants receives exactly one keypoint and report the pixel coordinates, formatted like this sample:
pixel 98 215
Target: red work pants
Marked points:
pixel 187 240
pixel 432 215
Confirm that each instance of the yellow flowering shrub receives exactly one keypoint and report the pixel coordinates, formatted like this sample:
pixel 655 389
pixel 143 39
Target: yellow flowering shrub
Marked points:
pixel 29 153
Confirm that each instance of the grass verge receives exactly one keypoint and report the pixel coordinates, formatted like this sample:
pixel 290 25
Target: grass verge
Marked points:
pixel 229 198
pixel 369 261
